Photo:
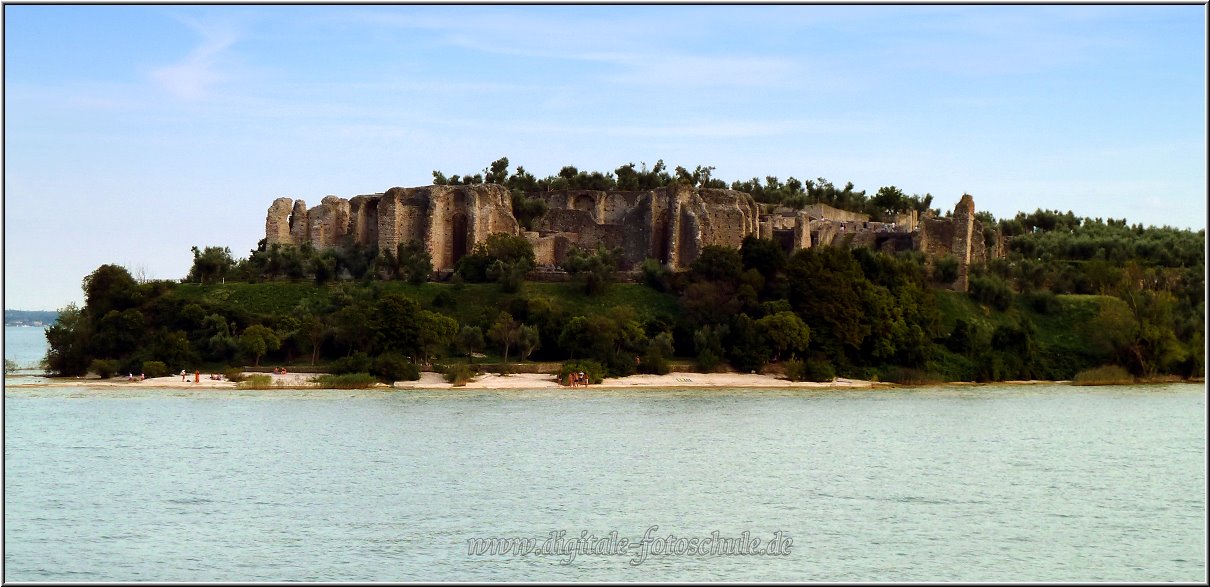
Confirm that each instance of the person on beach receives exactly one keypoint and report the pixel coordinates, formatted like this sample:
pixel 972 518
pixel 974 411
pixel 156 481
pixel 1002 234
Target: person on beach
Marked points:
pixel 182 375
pixel 197 376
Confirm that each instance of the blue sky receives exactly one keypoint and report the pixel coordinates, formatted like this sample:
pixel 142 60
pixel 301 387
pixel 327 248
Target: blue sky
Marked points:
pixel 132 133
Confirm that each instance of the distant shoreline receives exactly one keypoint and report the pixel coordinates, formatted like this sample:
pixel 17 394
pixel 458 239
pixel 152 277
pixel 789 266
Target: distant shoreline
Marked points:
pixel 527 381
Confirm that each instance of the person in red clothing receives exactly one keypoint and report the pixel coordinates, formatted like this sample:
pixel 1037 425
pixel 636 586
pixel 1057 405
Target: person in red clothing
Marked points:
pixel 197 376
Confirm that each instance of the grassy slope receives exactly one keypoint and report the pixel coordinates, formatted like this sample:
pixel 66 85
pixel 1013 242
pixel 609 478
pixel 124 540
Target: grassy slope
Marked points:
pixel 1065 339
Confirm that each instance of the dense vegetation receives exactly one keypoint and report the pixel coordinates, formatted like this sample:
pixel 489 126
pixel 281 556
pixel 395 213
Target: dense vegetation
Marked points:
pixel 1073 294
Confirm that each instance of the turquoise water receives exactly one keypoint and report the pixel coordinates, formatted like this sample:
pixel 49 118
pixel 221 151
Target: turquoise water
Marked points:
pixel 988 483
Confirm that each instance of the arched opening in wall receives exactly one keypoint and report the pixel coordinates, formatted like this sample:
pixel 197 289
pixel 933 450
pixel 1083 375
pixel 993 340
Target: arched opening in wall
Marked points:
pixel 585 203
pixel 459 237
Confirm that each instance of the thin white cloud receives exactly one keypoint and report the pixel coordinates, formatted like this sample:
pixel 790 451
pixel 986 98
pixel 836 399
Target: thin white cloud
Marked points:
pixel 193 77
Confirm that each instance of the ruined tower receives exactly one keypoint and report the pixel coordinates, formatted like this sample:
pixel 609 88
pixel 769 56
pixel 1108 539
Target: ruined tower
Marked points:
pixel 964 235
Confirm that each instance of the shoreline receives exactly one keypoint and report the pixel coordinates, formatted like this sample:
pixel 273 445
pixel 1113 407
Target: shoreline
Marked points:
pixel 527 381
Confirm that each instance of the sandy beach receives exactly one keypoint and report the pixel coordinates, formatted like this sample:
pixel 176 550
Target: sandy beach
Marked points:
pixel 430 380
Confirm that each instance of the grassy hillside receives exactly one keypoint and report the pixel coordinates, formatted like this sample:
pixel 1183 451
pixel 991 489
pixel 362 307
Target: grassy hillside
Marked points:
pixel 1064 339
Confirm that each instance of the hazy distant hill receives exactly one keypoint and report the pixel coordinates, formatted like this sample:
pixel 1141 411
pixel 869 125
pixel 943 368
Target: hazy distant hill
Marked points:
pixel 31 318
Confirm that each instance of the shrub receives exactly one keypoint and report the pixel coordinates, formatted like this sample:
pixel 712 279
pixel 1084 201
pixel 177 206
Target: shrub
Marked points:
pixel 1103 375
pixel 655 359
pixel 256 382
pixel 656 275
pixel 104 368
pixel 794 369
pixel 356 363
pixel 908 376
pixel 155 369
pixel 346 381
pixel 708 341
pixel 459 374
pixel 443 299
pixel 1042 301
pixel 818 370
pixel 392 367
pixel 945 269
pixel 234 374
pixel 594 370
pixel 992 291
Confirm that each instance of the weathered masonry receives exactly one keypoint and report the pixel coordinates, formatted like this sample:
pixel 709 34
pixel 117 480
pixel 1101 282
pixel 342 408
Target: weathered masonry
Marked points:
pixel 670 224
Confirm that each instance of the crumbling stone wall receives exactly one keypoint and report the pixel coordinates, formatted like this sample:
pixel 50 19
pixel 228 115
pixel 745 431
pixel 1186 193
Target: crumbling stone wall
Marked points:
pixel 277 222
pixel 672 224
pixel 826 212
pixel 363 220
pixel 328 223
pixel 964 226
pixel 300 225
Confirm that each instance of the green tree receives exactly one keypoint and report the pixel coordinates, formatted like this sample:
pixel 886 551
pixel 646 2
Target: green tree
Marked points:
pixel 67 343
pixel 717 263
pixel 763 255
pixel 210 264
pixel 748 350
pixel 826 287
pixel 497 172
pixel 436 331
pixel 109 287
pixel 258 340
pixel 708 343
pixel 594 270
pixel 353 328
pixel 469 341
pixel 501 256
pixel 786 334
pixel 398 324
pixel 172 347
pixel 313 326
pixel 505 332
pixel 119 334
pixel 528 340
pixel 528 211
pixel 889 201
pixel 410 261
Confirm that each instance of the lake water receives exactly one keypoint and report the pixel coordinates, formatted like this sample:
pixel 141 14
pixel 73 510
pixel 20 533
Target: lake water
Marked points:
pixel 25 345
pixel 985 483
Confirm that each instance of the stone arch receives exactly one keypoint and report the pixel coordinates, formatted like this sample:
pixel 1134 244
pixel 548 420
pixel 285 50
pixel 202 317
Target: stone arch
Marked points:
pixel 585 203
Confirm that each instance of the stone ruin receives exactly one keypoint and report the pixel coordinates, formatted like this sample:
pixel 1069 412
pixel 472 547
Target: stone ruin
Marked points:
pixel 670 224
